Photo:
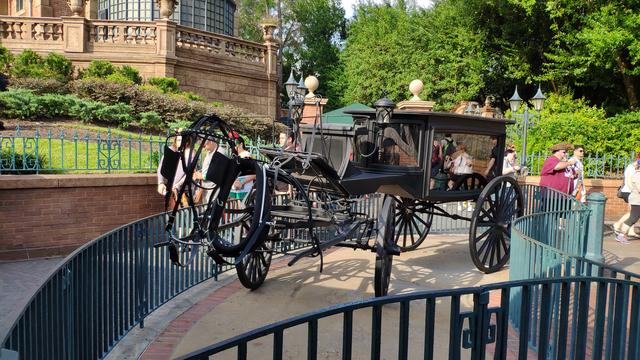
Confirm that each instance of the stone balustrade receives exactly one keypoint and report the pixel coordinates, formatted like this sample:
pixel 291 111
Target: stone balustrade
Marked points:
pixel 30 32
pixel 217 44
pixel 218 67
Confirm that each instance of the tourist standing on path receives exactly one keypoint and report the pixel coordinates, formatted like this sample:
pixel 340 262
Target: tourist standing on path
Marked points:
pixel 634 200
pixel 207 186
pixel 555 173
pixel 179 176
pixel 509 166
pixel 579 190
pixel 490 172
pixel 626 190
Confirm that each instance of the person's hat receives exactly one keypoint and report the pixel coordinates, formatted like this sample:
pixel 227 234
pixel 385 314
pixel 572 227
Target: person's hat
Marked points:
pixel 561 146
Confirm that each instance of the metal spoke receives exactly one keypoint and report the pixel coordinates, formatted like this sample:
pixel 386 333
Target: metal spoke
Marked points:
pixel 485 233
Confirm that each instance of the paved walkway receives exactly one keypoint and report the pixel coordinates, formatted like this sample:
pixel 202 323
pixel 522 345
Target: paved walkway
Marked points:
pixel 192 319
pixel 18 282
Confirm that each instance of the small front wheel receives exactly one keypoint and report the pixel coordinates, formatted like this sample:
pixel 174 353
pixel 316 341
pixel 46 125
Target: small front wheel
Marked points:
pixel 253 269
pixel 384 241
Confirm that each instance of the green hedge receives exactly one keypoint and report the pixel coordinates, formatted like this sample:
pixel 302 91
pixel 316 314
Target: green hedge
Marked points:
pixel 26 105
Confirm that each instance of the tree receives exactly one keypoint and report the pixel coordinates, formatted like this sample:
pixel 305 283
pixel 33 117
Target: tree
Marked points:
pixel 321 26
pixel 597 47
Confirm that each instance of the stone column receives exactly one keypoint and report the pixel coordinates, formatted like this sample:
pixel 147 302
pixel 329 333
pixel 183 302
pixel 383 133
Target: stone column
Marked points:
pixel 270 62
pixel 166 48
pixel 76 34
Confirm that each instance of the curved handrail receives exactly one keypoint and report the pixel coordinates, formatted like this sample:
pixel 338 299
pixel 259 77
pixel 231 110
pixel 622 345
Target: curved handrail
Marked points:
pixel 481 321
pixel 102 290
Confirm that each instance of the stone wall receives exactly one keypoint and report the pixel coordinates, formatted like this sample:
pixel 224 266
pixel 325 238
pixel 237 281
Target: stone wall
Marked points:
pixel 47 215
pixel 615 206
pixel 217 67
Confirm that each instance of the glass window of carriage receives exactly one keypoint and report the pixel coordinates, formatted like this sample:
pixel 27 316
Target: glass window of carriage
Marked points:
pixel 462 161
pixel 389 144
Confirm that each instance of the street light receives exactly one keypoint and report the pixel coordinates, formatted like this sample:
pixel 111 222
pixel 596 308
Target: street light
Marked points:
pixel 515 102
pixel 291 86
pixel 301 90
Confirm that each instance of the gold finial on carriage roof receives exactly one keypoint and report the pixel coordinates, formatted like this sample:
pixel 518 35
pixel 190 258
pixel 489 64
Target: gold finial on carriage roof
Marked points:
pixel 415 103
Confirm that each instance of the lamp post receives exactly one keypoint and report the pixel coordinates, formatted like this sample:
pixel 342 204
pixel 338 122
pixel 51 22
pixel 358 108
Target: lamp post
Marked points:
pixel 514 102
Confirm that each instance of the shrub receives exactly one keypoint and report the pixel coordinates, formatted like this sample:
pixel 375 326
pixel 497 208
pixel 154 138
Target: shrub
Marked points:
pixel 55 105
pixel 39 85
pixel 19 104
pixel 119 114
pixel 99 69
pixel 190 96
pixel 149 120
pixel 28 64
pixel 118 77
pixel 5 59
pixel 167 85
pixel 178 124
pixel 85 110
pixel 30 161
pixel 58 66
pixel 131 73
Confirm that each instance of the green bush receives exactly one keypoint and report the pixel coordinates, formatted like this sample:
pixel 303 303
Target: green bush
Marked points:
pixel 30 161
pixel 190 96
pixel 19 104
pixel 5 59
pixel 118 77
pixel 167 85
pixel 39 85
pixel 58 66
pixel 55 105
pixel 28 64
pixel 131 73
pixel 99 69
pixel 149 120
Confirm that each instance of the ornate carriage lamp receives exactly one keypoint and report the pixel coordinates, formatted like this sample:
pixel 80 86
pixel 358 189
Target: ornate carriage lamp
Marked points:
pixel 384 110
pixel 290 86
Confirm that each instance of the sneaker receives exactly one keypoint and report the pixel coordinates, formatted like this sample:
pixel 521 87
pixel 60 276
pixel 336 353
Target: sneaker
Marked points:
pixel 622 239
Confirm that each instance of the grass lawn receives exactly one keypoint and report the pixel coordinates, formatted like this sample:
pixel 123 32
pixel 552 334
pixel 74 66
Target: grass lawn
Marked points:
pixel 85 154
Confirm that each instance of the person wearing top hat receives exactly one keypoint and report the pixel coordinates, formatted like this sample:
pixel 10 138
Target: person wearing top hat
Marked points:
pixel 556 172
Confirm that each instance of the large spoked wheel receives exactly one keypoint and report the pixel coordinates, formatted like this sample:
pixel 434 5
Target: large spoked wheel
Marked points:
pixel 384 240
pixel 413 221
pixel 253 269
pixel 498 205
pixel 473 181
pixel 241 214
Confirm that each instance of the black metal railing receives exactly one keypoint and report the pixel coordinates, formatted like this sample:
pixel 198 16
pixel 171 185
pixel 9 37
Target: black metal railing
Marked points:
pixel 459 323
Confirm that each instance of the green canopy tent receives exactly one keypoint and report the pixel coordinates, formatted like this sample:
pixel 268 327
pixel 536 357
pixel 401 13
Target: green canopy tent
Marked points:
pixel 338 116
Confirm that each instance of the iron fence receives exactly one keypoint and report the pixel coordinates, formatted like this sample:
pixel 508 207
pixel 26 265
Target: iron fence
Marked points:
pixel 459 323
pixel 108 286
pixel 596 166
pixel 37 152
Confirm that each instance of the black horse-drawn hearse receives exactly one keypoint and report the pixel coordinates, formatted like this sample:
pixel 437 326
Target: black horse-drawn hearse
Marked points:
pixel 419 160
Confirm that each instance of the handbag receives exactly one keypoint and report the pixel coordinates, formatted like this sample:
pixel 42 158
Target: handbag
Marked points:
pixel 620 194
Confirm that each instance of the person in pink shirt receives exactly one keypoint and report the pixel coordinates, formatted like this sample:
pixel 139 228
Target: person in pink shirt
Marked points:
pixel 556 172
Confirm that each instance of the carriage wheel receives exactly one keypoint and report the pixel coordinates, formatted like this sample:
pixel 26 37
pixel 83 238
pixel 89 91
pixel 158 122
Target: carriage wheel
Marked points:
pixel 240 218
pixel 497 206
pixel 384 258
pixel 253 269
pixel 473 181
pixel 410 225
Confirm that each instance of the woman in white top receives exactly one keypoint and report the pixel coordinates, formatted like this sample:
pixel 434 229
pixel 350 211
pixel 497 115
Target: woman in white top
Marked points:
pixel 626 190
pixel 243 184
pixel 461 164
pixel 634 200
pixel 509 166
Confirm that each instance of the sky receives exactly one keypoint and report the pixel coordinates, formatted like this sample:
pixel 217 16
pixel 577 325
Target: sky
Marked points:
pixel 348 5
